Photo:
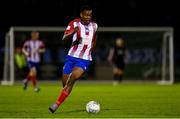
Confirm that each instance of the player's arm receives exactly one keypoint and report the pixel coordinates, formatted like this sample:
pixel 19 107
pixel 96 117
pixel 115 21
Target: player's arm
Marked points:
pixel 42 48
pixel 69 35
pixel 71 29
pixel 110 60
pixel 69 32
pixel 110 57
pixel 95 37
pixel 25 52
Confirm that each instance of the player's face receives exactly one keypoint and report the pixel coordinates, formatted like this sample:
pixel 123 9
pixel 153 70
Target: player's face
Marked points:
pixel 119 42
pixel 35 35
pixel 86 16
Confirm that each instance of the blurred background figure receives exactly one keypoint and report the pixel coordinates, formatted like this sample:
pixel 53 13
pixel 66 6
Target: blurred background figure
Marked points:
pixel 116 59
pixel 20 62
pixel 32 49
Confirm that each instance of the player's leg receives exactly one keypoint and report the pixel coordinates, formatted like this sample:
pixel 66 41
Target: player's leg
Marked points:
pixel 76 74
pixel 62 95
pixel 79 68
pixel 64 79
pixel 28 76
pixel 118 75
pixel 67 69
pixel 34 78
pixel 121 67
pixel 25 83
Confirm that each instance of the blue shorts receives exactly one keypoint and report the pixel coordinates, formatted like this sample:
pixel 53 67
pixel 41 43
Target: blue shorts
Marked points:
pixel 33 65
pixel 72 62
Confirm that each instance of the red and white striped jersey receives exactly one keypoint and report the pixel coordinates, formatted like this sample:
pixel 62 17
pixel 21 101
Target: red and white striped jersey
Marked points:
pixel 32 47
pixel 87 33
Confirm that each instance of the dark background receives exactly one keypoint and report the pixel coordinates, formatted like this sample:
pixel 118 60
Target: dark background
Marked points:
pixel 106 13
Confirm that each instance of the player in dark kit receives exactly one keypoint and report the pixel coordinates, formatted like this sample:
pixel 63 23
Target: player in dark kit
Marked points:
pixel 116 59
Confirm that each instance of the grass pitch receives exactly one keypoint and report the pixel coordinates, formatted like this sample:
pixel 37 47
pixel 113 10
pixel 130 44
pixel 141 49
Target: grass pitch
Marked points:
pixel 121 101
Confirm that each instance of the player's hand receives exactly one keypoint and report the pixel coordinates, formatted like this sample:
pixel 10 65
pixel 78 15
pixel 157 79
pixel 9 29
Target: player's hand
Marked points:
pixel 76 29
pixel 41 50
pixel 26 54
pixel 77 42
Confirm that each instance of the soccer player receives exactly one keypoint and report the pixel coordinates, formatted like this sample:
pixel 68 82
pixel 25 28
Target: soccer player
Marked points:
pixel 82 32
pixel 32 49
pixel 116 59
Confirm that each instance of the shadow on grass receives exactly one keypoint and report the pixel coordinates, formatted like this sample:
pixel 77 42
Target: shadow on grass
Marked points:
pixel 83 110
pixel 72 111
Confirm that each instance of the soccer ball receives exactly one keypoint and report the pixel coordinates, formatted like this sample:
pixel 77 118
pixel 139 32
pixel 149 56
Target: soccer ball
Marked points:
pixel 92 107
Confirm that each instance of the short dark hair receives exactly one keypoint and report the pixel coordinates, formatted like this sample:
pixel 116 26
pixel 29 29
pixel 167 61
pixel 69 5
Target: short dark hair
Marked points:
pixel 85 7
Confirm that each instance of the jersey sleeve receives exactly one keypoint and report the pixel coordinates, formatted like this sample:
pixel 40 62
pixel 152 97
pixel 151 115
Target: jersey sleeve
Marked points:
pixel 96 26
pixel 70 27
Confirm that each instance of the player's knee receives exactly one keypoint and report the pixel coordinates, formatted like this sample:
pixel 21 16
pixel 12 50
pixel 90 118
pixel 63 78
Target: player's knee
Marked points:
pixel 77 73
pixel 75 76
pixel 33 70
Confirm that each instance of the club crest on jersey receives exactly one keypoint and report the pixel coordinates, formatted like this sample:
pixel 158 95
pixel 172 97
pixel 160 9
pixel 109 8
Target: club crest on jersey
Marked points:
pixel 87 30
